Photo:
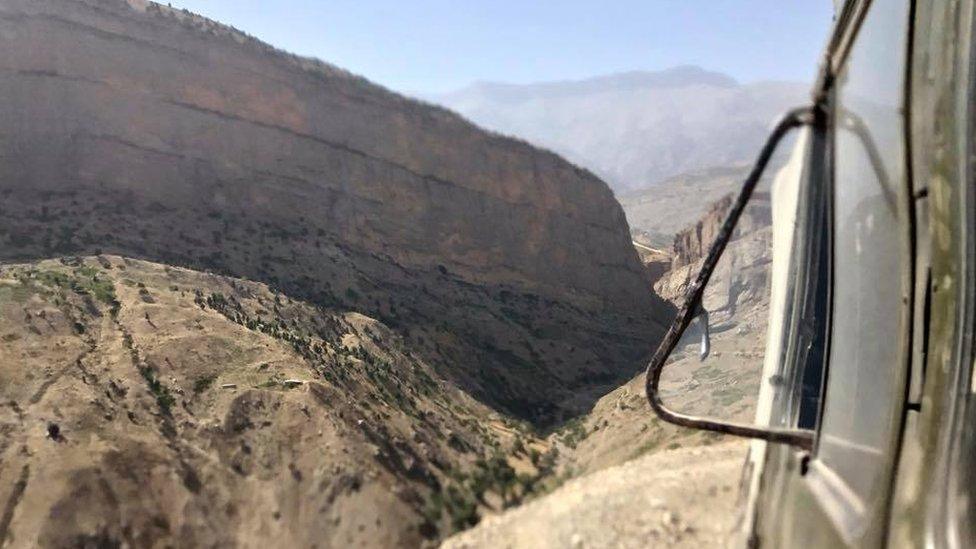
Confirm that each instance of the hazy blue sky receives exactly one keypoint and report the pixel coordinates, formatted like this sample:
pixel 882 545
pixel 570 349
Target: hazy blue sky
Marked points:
pixel 427 46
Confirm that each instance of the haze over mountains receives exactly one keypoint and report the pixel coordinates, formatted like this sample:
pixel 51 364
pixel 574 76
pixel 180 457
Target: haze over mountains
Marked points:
pixel 639 128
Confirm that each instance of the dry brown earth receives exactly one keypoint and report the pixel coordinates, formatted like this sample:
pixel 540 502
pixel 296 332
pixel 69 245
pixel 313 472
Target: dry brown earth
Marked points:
pixel 666 499
pixel 151 406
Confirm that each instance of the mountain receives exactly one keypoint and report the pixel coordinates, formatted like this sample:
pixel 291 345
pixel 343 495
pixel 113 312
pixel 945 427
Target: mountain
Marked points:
pixel 675 78
pixel 142 131
pixel 635 129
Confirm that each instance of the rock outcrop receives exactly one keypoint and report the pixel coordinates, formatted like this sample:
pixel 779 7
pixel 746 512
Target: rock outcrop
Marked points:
pixel 750 245
pixel 134 129
pixel 692 243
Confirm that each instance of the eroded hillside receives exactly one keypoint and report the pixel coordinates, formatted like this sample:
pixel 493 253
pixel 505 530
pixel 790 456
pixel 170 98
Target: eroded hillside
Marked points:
pixel 148 405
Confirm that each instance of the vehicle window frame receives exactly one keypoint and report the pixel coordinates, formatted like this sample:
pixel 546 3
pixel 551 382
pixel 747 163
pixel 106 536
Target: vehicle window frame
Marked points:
pixel 848 509
pixel 960 506
pixel 809 288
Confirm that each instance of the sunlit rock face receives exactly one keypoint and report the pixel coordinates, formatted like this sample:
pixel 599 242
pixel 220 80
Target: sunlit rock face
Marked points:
pixel 741 277
pixel 134 129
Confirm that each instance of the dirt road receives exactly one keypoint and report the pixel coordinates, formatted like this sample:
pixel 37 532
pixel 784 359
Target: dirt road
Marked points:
pixel 675 498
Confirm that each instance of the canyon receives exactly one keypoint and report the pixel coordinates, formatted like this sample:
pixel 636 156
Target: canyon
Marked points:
pixel 658 484
pixel 146 132
pixel 250 298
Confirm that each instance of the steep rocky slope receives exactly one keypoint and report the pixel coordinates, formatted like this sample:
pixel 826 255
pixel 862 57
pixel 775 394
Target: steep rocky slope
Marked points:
pixel 144 405
pixel 134 129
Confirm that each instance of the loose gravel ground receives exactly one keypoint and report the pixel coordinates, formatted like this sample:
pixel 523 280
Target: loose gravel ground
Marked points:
pixel 677 498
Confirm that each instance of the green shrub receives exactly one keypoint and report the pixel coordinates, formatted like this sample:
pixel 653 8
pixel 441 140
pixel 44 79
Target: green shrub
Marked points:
pixel 203 383
pixel 164 398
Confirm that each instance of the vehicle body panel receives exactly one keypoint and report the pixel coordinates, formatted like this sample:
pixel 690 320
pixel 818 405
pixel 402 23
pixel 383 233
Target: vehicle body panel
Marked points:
pixel 932 504
pixel 888 167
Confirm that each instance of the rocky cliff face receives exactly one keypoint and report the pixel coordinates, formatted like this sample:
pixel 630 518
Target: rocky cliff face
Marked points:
pixel 134 129
pixel 691 245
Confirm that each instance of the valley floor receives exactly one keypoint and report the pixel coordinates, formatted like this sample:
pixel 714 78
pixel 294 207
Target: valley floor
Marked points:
pixel 674 498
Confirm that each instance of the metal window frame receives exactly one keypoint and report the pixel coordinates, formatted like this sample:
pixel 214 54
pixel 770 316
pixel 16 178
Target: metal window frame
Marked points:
pixel 804 116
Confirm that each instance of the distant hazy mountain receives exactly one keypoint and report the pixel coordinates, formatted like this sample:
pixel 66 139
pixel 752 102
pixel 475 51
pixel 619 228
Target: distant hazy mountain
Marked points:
pixel 635 129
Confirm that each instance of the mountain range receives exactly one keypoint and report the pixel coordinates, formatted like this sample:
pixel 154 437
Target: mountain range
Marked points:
pixel 635 129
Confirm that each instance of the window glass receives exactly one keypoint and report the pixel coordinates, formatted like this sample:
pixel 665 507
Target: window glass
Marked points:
pixel 806 354
pixel 866 373
pixel 800 275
